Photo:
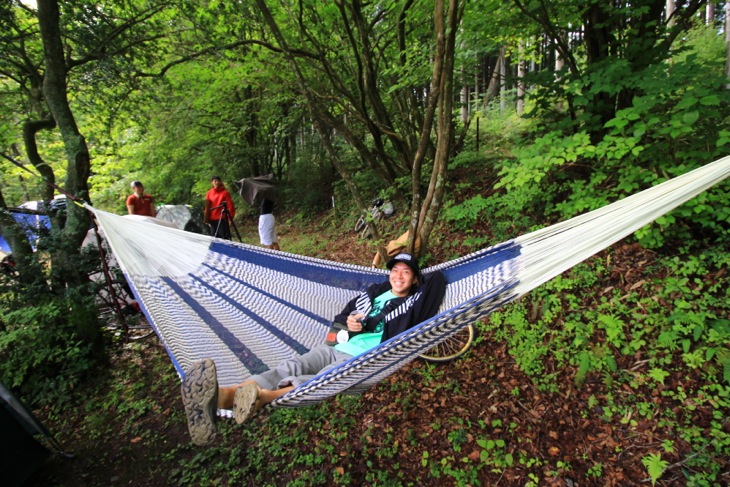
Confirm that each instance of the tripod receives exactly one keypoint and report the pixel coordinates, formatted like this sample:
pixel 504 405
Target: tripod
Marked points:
pixel 225 218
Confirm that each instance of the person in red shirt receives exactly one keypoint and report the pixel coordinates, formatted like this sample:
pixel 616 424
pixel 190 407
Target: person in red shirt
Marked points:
pixel 218 199
pixel 139 203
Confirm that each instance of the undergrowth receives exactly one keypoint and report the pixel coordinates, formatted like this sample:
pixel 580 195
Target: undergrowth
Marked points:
pixel 638 345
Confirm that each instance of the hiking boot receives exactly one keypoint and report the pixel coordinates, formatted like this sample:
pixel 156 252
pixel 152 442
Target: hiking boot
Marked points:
pixel 199 390
pixel 244 402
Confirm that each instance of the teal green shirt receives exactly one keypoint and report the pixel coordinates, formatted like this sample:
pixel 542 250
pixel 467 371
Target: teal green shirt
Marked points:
pixel 366 341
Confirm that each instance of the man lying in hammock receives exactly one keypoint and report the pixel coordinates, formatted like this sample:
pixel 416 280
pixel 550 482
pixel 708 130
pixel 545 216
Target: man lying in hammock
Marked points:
pixel 381 312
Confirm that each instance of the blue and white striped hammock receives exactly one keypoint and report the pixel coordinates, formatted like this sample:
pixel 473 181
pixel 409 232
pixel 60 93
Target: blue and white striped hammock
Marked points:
pixel 249 308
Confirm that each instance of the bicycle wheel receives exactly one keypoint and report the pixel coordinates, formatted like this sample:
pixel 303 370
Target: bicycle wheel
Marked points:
pixel 140 330
pixel 360 224
pixel 453 347
pixel 365 233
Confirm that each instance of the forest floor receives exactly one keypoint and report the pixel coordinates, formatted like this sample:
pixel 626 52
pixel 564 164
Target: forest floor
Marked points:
pixel 451 406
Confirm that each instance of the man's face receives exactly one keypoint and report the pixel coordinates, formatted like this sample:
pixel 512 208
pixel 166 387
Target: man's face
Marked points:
pixel 402 279
pixel 139 190
pixel 217 183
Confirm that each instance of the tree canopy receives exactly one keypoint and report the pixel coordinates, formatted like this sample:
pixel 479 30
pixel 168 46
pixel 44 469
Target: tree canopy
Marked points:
pixel 349 100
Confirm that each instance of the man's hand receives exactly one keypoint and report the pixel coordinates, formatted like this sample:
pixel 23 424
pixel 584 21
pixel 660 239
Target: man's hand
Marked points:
pixel 354 322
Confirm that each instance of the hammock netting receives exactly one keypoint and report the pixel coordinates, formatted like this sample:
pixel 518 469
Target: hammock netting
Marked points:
pixel 248 308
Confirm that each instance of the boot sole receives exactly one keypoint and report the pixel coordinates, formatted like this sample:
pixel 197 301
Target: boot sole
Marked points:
pixel 244 402
pixel 199 392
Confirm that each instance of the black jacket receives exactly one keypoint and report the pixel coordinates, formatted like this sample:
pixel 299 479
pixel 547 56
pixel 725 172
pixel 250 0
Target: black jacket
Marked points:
pixel 422 303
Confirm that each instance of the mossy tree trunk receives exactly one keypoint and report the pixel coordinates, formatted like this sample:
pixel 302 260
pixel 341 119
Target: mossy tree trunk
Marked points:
pixel 66 277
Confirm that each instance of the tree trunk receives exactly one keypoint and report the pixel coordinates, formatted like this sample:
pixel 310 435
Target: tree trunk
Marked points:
pixel 502 80
pixel 464 100
pixel 710 13
pixel 521 80
pixel 476 89
pixel 433 97
pixel 65 272
pixel 670 13
pixel 559 63
pixel 443 77
pixel 77 153
pixel 464 97
pixel 30 129
pixel 727 43
pixel 494 81
pixel 380 123
pixel 314 108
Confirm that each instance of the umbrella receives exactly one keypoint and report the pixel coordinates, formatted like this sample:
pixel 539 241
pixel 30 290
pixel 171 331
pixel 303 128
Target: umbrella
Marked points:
pixel 251 189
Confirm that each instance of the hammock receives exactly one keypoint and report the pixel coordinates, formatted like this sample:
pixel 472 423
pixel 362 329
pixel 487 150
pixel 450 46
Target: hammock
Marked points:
pixel 248 308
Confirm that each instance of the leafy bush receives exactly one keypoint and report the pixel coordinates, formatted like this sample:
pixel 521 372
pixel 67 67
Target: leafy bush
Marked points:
pixel 40 353
pixel 49 341
pixel 465 215
pixel 676 122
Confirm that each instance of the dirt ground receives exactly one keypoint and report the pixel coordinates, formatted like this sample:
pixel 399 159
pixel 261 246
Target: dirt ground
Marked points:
pixel 552 427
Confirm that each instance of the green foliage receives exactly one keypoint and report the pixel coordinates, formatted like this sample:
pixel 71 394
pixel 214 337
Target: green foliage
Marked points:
pixel 49 341
pixel 40 354
pixel 676 325
pixel 465 215
pixel 240 112
pixel 655 466
pixel 300 192
pixel 675 122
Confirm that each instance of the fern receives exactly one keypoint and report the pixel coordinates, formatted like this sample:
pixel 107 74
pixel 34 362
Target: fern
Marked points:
pixel 583 368
pixel 658 375
pixel 655 466
pixel 668 339
pixel 722 357
pixel 614 327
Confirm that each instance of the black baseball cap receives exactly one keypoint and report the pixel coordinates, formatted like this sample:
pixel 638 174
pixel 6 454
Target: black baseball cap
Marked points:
pixel 137 184
pixel 407 259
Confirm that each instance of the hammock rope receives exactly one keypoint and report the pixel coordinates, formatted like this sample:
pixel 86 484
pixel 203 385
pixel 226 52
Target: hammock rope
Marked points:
pixel 248 308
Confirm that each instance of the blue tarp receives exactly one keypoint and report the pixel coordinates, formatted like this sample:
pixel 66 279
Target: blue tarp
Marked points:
pixel 32 223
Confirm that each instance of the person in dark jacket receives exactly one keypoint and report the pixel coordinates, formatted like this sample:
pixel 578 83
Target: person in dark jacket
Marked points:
pixel 379 313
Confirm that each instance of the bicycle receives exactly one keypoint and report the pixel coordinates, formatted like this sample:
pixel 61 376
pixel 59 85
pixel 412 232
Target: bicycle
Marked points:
pixel 116 303
pixel 378 210
pixel 453 347
pixel 119 309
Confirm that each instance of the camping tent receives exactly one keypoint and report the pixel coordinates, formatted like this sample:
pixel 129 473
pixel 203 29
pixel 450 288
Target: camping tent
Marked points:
pixel 32 222
pixel 20 452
